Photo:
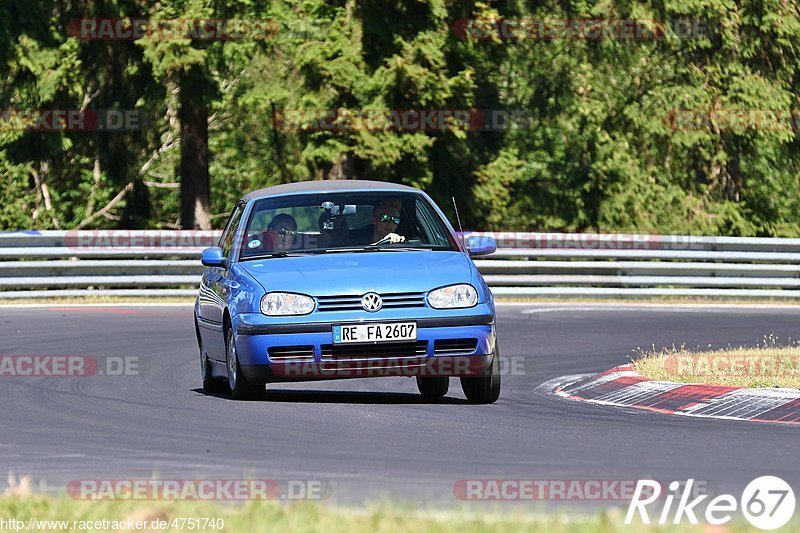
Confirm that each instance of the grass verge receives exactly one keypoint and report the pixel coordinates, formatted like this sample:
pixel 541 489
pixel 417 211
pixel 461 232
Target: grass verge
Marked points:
pixel 82 516
pixel 765 366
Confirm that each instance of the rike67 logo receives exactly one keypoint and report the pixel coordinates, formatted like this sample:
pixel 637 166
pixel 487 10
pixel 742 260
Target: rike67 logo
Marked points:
pixel 767 502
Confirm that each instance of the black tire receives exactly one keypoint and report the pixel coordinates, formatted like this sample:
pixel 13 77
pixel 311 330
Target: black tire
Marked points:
pixel 433 387
pixel 238 385
pixel 485 388
pixel 210 383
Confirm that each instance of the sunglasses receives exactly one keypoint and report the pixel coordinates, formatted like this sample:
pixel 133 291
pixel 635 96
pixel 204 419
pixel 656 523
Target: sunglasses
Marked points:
pixel 387 218
pixel 283 232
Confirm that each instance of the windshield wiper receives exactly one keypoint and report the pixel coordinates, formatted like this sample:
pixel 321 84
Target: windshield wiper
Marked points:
pixel 358 249
pixel 377 248
pixel 270 255
pixel 384 248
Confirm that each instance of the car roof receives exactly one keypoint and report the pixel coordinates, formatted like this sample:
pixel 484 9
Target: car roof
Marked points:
pixel 315 186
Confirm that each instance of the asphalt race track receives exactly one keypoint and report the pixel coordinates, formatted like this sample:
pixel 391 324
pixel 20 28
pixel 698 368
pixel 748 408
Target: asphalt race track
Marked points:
pixel 376 437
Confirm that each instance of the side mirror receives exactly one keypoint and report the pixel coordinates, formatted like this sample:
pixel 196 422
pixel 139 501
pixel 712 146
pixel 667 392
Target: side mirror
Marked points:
pixel 213 257
pixel 478 245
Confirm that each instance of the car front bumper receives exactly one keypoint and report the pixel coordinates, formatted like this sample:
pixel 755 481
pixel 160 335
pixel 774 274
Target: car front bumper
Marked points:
pixel 452 344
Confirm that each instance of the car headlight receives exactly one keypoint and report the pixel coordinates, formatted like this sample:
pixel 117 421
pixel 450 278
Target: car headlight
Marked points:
pixel 453 297
pixel 286 303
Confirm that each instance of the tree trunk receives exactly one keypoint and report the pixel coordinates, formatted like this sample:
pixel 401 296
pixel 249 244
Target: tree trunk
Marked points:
pixel 193 116
pixel 344 169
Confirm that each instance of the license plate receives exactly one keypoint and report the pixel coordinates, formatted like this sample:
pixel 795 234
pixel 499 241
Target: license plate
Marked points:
pixel 394 332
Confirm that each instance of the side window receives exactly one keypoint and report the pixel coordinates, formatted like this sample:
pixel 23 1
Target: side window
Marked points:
pixel 426 226
pixel 226 241
pixel 409 225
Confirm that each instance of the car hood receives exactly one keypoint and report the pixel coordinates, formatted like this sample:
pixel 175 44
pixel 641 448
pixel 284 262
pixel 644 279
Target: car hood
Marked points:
pixel 357 273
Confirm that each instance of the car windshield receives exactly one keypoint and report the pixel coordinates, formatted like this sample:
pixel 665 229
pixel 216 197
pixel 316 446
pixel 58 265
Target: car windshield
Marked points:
pixel 335 222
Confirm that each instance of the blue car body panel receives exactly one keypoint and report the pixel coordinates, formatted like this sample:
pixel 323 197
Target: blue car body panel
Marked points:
pixel 357 273
pixel 232 296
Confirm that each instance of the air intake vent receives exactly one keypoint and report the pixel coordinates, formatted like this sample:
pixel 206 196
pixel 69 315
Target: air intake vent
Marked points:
pixel 367 351
pixel 455 346
pixel 291 353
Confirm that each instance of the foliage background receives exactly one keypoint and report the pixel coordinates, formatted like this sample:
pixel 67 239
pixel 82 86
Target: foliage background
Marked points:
pixel 600 151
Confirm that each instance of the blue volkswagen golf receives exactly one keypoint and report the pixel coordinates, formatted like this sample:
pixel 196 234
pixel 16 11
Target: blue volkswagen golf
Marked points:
pixel 335 279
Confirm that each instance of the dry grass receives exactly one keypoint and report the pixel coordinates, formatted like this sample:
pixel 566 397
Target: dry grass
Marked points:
pixel 268 516
pixel 769 365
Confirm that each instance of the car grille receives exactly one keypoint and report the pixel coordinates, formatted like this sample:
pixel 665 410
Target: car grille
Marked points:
pixel 291 353
pixel 395 300
pixel 364 351
pixel 454 346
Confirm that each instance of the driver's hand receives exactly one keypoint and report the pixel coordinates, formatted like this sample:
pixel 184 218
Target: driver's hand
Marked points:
pixel 394 237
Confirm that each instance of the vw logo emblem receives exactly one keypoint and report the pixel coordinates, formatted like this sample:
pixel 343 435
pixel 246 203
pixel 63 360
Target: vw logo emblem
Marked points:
pixel 371 302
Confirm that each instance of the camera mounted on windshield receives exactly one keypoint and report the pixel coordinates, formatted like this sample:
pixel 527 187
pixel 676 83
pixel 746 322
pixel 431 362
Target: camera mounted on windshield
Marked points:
pixel 333 212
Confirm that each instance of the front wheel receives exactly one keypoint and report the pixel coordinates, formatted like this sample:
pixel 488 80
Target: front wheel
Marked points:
pixel 239 387
pixel 433 387
pixel 485 388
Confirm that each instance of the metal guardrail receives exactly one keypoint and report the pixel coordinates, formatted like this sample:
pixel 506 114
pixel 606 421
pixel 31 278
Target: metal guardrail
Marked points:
pixel 165 263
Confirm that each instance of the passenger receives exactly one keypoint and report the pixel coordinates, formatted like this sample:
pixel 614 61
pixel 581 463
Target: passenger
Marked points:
pixel 282 232
pixel 280 235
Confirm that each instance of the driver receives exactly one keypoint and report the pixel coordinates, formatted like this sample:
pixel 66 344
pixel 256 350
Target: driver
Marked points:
pixel 385 219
